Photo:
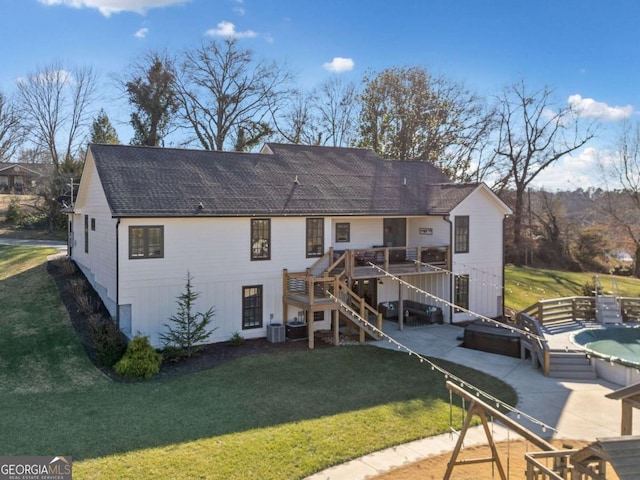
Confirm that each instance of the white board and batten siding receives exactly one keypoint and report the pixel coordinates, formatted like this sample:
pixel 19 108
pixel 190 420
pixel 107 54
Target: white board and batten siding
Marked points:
pixel 217 254
pixel 99 264
pixel 431 231
pixel 367 232
pixel 484 261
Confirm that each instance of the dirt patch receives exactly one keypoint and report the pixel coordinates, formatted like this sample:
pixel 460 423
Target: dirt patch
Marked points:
pixel 210 356
pixel 512 457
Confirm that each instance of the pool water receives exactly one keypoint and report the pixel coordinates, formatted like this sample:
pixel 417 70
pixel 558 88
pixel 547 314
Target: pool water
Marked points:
pixel 621 343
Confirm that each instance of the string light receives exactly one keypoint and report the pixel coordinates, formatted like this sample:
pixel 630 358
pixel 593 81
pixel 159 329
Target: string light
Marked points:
pixel 447 375
pixel 457 307
pixel 497 286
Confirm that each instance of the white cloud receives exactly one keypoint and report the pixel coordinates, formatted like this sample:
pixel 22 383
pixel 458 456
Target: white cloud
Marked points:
pixel 228 29
pixel 584 169
pixel 588 107
pixel 239 10
pixel 107 7
pixel 59 77
pixel 339 64
pixel 142 33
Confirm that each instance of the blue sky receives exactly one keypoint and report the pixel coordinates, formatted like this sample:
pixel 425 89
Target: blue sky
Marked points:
pixel 586 49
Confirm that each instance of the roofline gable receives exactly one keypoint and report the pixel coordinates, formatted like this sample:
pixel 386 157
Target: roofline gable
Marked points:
pixel 280 180
pixel 11 166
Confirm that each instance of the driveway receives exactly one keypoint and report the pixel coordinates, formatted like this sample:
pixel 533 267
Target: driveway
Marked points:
pixel 62 246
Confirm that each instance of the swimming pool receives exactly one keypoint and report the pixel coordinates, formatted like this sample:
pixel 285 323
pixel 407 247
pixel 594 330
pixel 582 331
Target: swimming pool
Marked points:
pixel 614 351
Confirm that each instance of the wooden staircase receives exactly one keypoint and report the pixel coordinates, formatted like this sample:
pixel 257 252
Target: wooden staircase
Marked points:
pixel 363 313
pixel 323 287
pixel 569 364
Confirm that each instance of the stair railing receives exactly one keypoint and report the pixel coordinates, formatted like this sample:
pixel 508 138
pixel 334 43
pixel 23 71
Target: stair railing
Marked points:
pixel 359 304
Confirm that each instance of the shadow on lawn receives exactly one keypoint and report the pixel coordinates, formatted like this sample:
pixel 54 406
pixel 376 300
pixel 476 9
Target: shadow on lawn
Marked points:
pixel 264 386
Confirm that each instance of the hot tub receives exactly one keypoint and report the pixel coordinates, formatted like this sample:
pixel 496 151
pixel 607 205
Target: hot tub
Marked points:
pixel 615 352
pixel 487 338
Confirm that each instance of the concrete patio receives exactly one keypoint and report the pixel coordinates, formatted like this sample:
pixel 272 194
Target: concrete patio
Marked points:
pixel 576 409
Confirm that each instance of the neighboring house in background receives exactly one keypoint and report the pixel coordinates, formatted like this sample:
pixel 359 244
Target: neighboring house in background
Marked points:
pixel 268 236
pixel 20 178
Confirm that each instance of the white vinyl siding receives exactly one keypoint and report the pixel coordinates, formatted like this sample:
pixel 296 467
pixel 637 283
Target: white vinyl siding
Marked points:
pixel 484 261
pixel 99 264
pixel 215 252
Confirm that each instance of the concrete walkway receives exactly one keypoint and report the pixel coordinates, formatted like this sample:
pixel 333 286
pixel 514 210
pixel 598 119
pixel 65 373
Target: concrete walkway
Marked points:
pixel 577 409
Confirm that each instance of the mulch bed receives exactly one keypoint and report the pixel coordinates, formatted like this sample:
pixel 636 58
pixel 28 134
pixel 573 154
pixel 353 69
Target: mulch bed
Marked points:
pixel 210 356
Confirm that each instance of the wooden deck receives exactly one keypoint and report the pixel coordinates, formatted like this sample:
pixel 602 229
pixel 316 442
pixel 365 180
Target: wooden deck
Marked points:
pixel 317 288
pixel 399 269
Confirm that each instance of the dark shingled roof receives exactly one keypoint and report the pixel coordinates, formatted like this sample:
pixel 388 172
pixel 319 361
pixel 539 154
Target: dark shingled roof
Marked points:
pixel 283 180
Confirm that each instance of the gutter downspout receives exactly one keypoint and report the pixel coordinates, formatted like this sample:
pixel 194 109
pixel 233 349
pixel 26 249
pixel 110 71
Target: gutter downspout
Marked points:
pixel 117 274
pixel 504 256
pixel 450 265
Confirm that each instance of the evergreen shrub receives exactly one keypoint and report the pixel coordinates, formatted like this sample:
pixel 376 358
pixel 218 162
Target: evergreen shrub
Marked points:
pixel 140 361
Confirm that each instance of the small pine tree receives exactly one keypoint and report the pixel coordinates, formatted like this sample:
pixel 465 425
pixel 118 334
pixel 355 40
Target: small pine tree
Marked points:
pixel 102 130
pixel 140 361
pixel 189 329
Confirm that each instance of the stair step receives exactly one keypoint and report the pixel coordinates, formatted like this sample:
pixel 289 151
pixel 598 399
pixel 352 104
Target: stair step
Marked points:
pixel 581 375
pixel 568 356
pixel 570 365
pixel 570 361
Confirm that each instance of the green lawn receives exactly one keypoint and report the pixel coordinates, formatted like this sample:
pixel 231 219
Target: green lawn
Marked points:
pixel 526 286
pixel 272 416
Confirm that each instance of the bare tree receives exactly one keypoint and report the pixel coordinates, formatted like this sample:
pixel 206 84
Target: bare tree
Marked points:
pixel 150 89
pixel 296 120
pixel 335 102
pixel 55 104
pixel 324 116
pixel 11 131
pixel 551 229
pixel 227 96
pixel 472 123
pixel 621 200
pixel 532 136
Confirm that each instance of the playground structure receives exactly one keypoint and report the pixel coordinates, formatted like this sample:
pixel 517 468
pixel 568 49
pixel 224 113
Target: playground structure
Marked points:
pixel 588 463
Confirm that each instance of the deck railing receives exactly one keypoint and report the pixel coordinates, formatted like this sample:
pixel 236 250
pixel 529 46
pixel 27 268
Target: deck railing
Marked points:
pixel 579 308
pixel 389 257
pixel 309 286
pixel 535 343
pixel 563 309
pixel 359 305
pixel 538 465
pixel 549 312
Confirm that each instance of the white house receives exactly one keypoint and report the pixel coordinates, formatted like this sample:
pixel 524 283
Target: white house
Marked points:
pixel 270 237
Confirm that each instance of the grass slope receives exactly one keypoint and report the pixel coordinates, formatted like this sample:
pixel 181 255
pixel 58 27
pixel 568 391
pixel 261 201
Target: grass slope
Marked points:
pixel 270 416
pixel 526 286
